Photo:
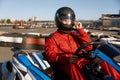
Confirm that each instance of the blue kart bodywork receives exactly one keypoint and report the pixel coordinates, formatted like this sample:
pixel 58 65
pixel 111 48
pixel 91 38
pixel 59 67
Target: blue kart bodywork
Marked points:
pixel 108 52
pixel 37 73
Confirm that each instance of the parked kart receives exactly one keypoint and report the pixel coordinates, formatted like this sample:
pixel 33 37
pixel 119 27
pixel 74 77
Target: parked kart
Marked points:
pixel 107 53
pixel 110 40
pixel 24 66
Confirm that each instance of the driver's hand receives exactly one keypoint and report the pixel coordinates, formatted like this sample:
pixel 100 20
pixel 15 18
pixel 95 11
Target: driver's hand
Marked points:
pixel 77 25
pixel 73 59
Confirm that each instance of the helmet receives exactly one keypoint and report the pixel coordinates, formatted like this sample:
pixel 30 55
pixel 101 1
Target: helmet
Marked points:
pixel 64 19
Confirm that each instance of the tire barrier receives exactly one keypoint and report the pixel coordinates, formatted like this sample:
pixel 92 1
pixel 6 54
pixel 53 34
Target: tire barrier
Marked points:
pixel 34 43
pixel 23 41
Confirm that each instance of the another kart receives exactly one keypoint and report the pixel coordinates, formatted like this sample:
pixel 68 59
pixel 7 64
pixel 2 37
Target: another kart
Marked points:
pixel 24 66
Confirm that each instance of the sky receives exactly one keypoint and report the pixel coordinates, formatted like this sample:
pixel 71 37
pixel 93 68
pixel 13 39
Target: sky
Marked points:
pixel 46 9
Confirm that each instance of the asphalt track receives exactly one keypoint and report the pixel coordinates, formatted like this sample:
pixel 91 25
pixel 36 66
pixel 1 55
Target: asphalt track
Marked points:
pixel 6 53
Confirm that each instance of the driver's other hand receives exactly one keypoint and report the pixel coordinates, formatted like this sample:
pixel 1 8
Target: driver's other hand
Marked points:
pixel 73 59
pixel 78 25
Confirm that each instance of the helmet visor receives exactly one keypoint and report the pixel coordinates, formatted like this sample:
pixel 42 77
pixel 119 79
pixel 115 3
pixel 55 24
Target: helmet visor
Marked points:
pixel 66 19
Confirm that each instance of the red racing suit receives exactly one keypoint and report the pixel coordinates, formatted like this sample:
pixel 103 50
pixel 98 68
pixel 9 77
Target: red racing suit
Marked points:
pixel 59 47
pixel 109 70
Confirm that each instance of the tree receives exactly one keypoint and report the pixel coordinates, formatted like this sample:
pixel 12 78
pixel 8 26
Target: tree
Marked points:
pixel 8 21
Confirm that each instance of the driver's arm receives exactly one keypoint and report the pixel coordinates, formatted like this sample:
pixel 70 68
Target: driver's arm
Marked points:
pixel 83 37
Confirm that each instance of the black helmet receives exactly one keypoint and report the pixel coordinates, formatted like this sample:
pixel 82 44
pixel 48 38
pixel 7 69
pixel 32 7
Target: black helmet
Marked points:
pixel 62 14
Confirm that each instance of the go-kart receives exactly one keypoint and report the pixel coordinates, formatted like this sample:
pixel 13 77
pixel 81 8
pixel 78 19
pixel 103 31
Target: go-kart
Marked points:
pixel 24 66
pixel 105 52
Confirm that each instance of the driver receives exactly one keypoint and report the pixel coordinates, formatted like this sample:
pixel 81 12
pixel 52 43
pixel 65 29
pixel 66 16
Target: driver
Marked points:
pixel 62 44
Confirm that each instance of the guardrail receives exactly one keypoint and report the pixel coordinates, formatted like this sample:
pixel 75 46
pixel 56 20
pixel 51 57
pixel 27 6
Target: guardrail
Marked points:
pixel 23 41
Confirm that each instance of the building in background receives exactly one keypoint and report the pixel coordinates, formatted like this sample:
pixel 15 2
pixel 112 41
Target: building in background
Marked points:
pixel 111 20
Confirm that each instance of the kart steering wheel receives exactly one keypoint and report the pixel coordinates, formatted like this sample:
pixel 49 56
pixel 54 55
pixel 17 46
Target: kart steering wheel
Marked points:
pixel 86 55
